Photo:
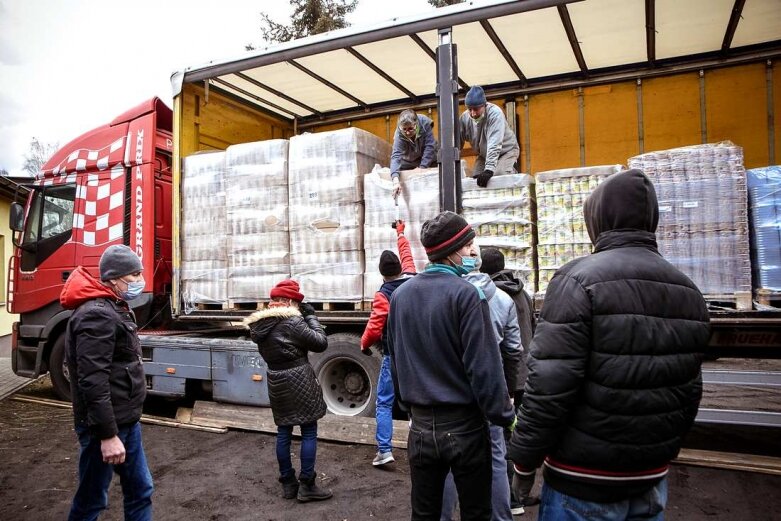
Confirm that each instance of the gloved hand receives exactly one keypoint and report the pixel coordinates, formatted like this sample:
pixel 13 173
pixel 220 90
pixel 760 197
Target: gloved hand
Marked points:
pixel 399 227
pixel 396 187
pixel 511 427
pixel 367 351
pixel 306 309
pixel 482 179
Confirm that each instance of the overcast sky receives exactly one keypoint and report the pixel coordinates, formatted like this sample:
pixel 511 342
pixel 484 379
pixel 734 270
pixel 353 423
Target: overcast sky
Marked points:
pixel 69 66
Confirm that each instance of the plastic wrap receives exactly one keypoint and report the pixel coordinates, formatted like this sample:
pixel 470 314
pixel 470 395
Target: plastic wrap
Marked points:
pixel 764 196
pixel 561 228
pixel 501 215
pixel 703 215
pixel 326 218
pixel 257 218
pixel 204 238
pixel 418 202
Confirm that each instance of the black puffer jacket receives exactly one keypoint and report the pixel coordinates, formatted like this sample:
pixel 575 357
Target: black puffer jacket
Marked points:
pixel 284 338
pixel 614 369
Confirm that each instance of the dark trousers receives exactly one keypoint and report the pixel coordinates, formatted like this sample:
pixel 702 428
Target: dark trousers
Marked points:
pixel 449 439
pixel 95 477
pixel 308 450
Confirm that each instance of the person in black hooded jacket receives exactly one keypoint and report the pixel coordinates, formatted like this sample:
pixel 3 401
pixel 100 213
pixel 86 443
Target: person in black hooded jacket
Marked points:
pixel 285 333
pixel 614 367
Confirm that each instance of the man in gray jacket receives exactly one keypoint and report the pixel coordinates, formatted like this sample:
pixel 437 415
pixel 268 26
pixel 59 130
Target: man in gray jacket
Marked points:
pixel 413 146
pixel 483 124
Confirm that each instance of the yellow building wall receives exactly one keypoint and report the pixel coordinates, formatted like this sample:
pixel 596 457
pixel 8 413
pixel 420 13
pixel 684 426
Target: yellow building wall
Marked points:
pixel 671 112
pixel 6 250
pixel 610 116
pixel 736 110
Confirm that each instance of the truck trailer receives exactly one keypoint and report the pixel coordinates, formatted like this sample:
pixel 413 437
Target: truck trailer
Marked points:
pixel 582 83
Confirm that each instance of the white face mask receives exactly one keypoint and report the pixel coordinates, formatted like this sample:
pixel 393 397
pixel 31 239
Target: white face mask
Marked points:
pixel 134 289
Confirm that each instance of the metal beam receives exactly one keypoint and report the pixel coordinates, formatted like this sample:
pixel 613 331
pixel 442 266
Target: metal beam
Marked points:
pixel 327 83
pixel 573 38
pixel 278 93
pixel 734 19
pixel 382 73
pixel 650 30
pixel 449 128
pixel 503 50
pixel 737 417
pixel 427 50
pixel 254 96
pixel 352 37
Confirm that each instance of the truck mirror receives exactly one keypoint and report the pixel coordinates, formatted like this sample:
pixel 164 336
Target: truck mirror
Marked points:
pixel 16 217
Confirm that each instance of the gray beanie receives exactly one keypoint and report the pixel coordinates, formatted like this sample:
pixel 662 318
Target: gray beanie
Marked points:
pixel 117 261
pixel 475 97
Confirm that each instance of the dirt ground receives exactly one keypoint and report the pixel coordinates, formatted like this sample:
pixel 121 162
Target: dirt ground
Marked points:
pixel 232 476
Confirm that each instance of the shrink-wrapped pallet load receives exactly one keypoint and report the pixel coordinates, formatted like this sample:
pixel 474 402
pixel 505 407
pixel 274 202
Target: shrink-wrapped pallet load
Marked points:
pixel 326 210
pixel 764 196
pixel 501 215
pixel 418 202
pixel 204 240
pixel 561 228
pixel 703 215
pixel 257 219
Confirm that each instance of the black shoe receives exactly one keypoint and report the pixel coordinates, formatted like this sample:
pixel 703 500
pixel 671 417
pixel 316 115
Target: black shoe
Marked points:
pixel 309 491
pixel 289 487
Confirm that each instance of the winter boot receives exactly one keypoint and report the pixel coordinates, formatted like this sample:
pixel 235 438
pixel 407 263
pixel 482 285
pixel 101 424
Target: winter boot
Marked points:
pixel 309 491
pixel 289 486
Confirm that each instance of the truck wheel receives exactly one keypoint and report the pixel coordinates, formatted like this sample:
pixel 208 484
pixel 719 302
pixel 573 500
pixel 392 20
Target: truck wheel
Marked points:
pixel 58 370
pixel 348 377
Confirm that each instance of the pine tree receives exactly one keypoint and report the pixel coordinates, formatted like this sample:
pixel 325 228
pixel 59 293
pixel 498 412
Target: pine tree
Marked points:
pixel 309 17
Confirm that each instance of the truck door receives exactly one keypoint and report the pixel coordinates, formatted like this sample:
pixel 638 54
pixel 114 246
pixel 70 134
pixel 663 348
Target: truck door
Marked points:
pixel 47 252
pixel 163 222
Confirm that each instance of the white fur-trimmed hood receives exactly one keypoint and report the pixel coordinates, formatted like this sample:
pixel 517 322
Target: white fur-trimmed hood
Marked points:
pixel 279 312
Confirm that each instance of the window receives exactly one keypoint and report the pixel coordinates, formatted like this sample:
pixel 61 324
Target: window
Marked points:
pixel 49 224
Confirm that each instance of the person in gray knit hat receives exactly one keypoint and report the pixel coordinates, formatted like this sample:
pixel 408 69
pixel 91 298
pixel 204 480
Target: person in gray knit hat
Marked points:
pixel 447 372
pixel 108 385
pixel 483 124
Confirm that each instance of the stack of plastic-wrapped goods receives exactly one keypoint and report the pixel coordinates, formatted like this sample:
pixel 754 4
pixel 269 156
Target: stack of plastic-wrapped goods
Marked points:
pixel 326 218
pixel 204 240
pixel 418 202
pixel 703 214
pixel 561 228
pixel 764 195
pixel 501 215
pixel 257 219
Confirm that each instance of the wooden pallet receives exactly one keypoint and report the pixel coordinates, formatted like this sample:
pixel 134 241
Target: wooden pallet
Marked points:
pixel 768 297
pixel 319 306
pixel 740 300
pixel 211 306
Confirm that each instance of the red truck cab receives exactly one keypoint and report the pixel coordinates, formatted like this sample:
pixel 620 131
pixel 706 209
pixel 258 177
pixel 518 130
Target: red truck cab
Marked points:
pixel 111 185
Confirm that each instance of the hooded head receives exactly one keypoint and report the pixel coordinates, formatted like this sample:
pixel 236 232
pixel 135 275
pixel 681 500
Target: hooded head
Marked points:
pixel 625 201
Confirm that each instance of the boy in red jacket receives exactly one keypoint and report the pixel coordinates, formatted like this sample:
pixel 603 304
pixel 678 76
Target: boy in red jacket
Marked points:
pixel 394 274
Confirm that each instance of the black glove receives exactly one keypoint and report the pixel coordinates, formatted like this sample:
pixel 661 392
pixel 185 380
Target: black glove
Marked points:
pixel 306 309
pixel 482 179
pixel 367 351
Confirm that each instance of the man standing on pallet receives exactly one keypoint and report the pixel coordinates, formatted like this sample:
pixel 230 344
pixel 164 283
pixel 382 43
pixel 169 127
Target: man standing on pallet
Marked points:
pixel 614 367
pixel 394 274
pixel 447 371
pixel 483 124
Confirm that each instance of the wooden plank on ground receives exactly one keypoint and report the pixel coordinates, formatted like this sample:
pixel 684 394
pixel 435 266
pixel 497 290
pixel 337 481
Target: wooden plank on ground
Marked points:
pixel 729 460
pixel 350 429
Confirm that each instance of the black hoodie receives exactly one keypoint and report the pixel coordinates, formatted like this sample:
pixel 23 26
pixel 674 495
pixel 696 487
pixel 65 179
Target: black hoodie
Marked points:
pixel 614 367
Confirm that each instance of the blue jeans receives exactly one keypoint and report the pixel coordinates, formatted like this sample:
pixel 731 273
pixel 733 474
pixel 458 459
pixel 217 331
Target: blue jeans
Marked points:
pixel 308 450
pixel 384 406
pixel 500 487
pixel 95 477
pixel 555 506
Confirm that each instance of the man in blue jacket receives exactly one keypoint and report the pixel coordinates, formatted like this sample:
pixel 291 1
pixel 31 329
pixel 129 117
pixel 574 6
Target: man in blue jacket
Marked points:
pixel 447 371
pixel 413 146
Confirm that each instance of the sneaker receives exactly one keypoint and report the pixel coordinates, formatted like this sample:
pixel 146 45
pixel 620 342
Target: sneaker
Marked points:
pixel 516 509
pixel 382 458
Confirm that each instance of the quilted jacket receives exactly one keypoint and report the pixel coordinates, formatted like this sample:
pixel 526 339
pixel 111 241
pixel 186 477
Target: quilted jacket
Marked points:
pixel 284 338
pixel 614 367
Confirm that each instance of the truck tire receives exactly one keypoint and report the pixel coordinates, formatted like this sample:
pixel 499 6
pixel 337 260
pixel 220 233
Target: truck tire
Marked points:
pixel 348 377
pixel 58 370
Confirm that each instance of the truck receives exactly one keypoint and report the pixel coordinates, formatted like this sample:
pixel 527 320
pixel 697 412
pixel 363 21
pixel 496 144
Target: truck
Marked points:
pixel 581 82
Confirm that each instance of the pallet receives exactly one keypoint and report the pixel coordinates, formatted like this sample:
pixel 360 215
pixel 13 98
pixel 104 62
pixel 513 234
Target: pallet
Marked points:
pixel 740 300
pixel 319 306
pixel 211 306
pixel 768 297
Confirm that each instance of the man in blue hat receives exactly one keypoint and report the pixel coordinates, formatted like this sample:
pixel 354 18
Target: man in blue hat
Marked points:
pixel 483 124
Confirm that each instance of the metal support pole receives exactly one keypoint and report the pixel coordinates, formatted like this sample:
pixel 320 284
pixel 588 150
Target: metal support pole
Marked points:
pixel 447 114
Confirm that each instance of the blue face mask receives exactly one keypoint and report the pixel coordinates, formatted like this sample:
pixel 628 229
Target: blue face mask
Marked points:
pixel 134 289
pixel 468 265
